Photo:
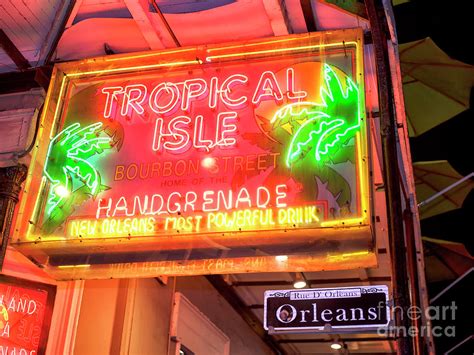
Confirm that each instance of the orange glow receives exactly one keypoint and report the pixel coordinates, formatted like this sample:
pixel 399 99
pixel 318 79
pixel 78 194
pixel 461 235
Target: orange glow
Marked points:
pixel 215 218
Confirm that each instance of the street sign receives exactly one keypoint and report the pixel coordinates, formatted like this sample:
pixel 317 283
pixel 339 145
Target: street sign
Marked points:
pixel 327 310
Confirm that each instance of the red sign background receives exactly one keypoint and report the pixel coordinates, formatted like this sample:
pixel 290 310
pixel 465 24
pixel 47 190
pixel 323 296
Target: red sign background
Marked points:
pixel 25 315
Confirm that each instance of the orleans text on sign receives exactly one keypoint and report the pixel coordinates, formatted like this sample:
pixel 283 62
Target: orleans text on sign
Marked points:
pixel 327 309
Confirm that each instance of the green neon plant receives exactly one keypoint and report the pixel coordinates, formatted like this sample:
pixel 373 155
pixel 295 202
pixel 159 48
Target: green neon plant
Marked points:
pixel 69 169
pixel 322 127
pixel 316 140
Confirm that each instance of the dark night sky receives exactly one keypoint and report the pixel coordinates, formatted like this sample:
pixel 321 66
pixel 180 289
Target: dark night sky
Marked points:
pixel 449 24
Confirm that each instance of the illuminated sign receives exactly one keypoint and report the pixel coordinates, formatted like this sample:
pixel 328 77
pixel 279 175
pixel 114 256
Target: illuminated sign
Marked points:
pixel 327 310
pixel 208 149
pixel 25 315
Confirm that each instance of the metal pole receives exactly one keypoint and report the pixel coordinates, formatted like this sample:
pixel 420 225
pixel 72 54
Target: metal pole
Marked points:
pixel 411 266
pixel 447 189
pixel 10 187
pixel 388 127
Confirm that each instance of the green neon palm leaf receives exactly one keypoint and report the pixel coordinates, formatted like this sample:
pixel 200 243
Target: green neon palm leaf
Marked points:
pixel 342 104
pixel 322 128
pixel 68 163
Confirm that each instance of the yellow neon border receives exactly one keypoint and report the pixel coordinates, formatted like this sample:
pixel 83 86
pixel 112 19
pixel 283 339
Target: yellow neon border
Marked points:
pixel 279 50
pixel 150 66
pixel 361 151
pixel 73 266
pixel 147 55
pixel 362 168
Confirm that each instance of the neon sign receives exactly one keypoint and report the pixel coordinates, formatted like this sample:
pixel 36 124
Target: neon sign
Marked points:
pixel 68 155
pixel 25 315
pixel 246 141
pixel 324 129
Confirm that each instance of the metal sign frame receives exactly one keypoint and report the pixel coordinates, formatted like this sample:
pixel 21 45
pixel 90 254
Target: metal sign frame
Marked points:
pixel 327 328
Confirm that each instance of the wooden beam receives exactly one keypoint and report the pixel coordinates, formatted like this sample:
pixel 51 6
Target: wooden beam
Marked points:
pixel 43 76
pixel 141 14
pixel 278 15
pixel 346 340
pixel 165 23
pixel 308 15
pixel 241 308
pixel 312 282
pixel 25 80
pixel 55 32
pixel 73 14
pixel 17 81
pixel 13 52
